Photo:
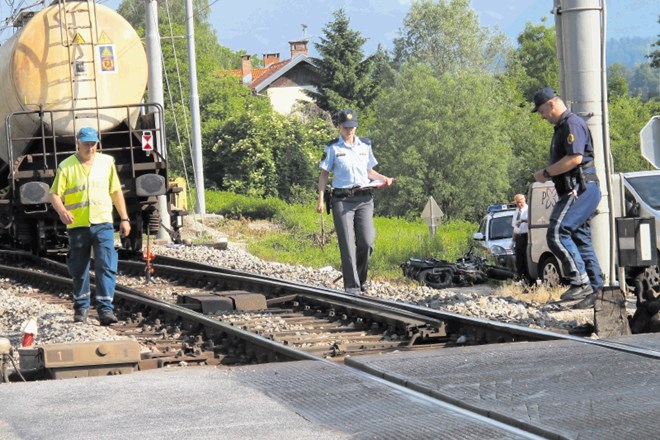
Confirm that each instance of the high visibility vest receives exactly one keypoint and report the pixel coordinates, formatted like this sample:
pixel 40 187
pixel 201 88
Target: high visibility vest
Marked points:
pixel 86 191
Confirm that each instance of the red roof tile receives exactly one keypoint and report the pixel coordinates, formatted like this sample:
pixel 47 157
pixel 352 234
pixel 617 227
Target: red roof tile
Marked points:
pixel 259 74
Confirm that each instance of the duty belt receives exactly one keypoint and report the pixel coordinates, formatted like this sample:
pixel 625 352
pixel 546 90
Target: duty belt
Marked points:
pixel 350 192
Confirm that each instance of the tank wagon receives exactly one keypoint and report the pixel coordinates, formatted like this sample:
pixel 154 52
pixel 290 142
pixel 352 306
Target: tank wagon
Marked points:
pixel 69 65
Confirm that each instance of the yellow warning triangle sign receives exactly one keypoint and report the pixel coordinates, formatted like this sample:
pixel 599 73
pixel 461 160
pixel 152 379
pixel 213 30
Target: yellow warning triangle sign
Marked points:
pixel 78 39
pixel 105 52
pixel 104 39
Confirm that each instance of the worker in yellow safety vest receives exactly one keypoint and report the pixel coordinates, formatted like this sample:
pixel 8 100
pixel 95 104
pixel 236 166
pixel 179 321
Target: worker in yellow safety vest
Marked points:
pixel 85 188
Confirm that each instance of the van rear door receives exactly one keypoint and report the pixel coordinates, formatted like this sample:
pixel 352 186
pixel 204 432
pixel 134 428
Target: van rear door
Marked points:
pixel 541 198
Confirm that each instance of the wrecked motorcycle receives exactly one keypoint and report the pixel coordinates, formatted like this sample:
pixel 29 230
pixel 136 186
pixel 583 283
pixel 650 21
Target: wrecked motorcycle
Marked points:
pixel 440 274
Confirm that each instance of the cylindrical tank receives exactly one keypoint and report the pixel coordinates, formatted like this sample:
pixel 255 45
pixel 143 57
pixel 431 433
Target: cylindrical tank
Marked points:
pixel 71 55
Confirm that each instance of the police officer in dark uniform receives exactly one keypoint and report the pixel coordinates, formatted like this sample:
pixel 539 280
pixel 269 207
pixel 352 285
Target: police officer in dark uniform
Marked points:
pixel 574 175
pixel 351 161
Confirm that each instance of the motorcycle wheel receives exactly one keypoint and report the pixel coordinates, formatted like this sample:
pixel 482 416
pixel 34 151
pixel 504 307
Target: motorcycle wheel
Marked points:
pixel 436 278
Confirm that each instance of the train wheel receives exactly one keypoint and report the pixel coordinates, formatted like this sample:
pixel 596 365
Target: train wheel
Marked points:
pixel 550 273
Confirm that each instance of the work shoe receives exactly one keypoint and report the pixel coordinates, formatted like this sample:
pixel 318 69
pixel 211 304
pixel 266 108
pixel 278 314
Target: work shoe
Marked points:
pixel 364 287
pixel 107 318
pixel 576 292
pixel 80 315
pixel 588 302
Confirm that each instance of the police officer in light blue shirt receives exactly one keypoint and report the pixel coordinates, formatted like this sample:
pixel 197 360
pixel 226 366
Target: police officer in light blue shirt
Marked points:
pixel 351 161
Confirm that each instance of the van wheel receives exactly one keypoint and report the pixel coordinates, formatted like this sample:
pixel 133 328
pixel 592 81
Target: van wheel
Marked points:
pixel 550 274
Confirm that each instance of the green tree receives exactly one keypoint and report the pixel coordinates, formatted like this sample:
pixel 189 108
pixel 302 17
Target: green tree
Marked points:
pixel 219 96
pixel 529 136
pixel 655 55
pixel 242 159
pixel 444 137
pixel 534 63
pixel 446 35
pixel 645 82
pixel 265 154
pixel 627 116
pixel 617 80
pixel 344 73
pixel 297 157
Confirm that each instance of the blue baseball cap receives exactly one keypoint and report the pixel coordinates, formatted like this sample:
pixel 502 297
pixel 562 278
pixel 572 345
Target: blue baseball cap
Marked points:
pixel 347 118
pixel 88 134
pixel 542 96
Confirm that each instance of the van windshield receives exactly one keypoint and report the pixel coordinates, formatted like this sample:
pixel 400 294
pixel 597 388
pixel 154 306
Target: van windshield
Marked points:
pixel 500 227
pixel 647 188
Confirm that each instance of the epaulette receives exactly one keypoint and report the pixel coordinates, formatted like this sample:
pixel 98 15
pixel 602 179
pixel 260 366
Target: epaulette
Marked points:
pixel 330 142
pixel 366 140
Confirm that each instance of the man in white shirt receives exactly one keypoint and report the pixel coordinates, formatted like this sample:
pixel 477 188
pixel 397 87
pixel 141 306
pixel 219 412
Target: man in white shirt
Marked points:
pixel 520 234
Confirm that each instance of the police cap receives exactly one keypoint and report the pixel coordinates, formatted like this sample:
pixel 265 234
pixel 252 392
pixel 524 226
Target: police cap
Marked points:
pixel 347 118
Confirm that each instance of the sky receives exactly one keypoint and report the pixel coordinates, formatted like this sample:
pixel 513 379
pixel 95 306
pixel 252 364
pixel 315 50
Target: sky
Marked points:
pixel 266 26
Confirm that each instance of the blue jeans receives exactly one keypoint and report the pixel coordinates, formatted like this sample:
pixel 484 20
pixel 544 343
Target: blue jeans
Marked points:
pixel 569 236
pixel 81 241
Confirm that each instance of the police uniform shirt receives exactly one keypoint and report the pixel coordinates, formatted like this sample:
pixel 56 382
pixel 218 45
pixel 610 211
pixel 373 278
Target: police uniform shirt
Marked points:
pixel 349 164
pixel 571 137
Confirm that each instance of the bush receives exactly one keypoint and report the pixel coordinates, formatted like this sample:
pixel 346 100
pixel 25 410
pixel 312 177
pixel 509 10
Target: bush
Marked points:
pixel 236 206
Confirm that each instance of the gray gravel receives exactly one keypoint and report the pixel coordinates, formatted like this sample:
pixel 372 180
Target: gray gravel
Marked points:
pixel 55 324
pixel 478 301
pixel 54 321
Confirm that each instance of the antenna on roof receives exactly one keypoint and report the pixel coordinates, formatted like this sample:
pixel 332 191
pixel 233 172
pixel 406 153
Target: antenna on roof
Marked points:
pixel 304 36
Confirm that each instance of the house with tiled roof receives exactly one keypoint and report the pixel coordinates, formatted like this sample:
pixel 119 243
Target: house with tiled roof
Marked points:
pixel 283 81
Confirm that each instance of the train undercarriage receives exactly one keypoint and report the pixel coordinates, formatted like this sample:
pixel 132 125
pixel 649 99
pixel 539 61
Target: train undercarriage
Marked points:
pixel 28 221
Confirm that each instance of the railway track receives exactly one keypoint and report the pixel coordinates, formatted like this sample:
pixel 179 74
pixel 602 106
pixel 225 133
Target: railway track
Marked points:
pixel 313 323
pixel 215 315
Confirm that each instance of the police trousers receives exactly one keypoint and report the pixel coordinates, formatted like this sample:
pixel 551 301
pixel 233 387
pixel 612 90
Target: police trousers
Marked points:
pixel 569 236
pixel 353 217
pixel 101 238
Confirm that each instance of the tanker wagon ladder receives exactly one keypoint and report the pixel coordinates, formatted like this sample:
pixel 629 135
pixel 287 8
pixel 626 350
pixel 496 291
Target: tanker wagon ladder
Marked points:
pixel 82 56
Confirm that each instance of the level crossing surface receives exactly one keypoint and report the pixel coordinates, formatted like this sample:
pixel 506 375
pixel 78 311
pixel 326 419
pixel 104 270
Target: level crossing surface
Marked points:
pixel 294 400
pixel 557 389
pixel 551 389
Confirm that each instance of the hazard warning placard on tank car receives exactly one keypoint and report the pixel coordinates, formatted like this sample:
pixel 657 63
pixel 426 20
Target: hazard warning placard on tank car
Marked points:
pixel 107 57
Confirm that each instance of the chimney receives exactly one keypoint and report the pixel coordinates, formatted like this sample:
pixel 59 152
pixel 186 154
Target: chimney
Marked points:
pixel 246 69
pixel 298 47
pixel 271 58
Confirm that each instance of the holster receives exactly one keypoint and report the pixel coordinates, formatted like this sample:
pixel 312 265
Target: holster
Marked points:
pixel 576 178
pixel 327 198
pixel 564 183
pixel 581 180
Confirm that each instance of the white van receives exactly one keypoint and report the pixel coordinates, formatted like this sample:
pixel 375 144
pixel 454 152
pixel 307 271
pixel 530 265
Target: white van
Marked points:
pixel 641 199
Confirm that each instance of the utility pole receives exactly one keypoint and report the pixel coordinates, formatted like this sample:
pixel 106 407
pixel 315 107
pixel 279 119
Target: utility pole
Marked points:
pixel 155 85
pixel 198 166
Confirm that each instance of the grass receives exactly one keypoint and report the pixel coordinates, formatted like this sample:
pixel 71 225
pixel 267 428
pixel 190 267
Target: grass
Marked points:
pixel 296 234
pixel 539 294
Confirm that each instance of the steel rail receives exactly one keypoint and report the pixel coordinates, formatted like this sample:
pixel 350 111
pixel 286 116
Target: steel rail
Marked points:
pixel 496 326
